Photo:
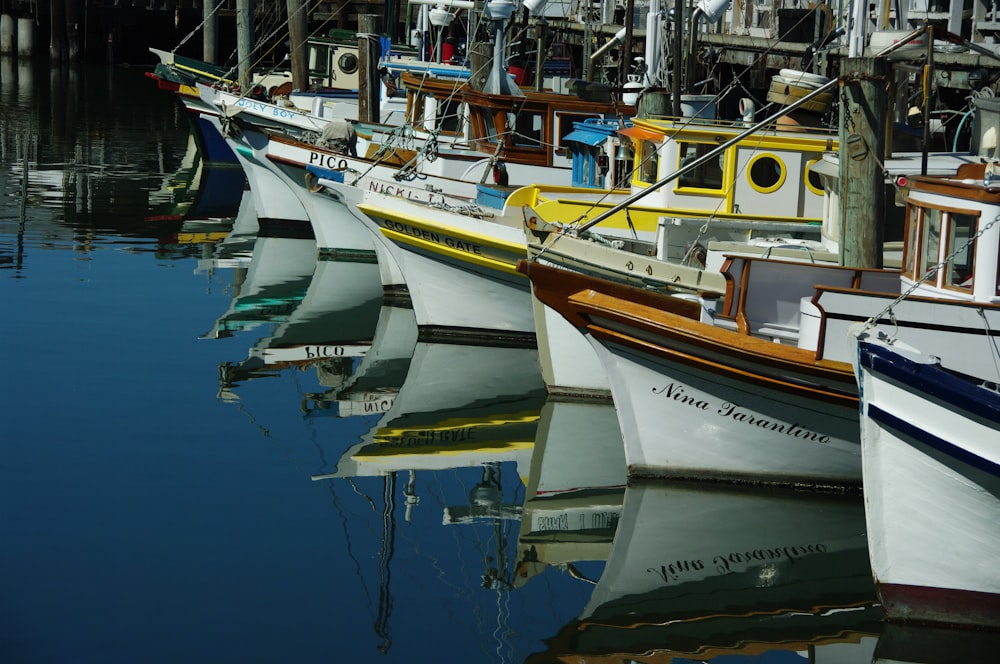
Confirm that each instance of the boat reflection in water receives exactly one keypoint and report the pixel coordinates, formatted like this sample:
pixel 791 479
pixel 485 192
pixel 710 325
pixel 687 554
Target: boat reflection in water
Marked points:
pixel 459 406
pixel 920 644
pixel 467 410
pixel 574 492
pixel 700 571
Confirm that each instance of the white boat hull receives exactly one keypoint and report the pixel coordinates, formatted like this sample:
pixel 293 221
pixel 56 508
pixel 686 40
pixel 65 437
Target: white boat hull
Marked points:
pixel 460 277
pixel 684 422
pixel 932 489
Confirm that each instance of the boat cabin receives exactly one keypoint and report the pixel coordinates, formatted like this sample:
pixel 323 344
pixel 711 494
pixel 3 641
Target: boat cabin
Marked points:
pixel 952 243
pixel 766 173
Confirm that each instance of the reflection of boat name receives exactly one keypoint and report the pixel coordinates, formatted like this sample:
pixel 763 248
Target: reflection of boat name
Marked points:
pixel 420 438
pixel 313 352
pixel 725 563
pixel 731 562
pixel 430 236
pixel 592 521
pixel 380 406
pixel 734 412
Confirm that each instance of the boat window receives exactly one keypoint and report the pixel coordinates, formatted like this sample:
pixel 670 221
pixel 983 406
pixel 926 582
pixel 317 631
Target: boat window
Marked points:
pixel 930 241
pixel 527 129
pixel 706 176
pixel 319 60
pixel 766 173
pixel 649 160
pixel 912 249
pixel 813 181
pixel 961 247
pixel 449 115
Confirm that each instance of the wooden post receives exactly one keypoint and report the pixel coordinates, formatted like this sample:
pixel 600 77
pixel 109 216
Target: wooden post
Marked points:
pixel 677 71
pixel 73 35
pixel 863 114
pixel 210 31
pixel 298 31
pixel 57 27
pixel 244 42
pixel 369 51
pixel 626 62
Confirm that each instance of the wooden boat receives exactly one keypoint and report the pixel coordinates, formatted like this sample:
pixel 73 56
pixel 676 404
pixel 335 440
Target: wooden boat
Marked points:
pixel 662 240
pixel 932 484
pixel 699 571
pixel 759 387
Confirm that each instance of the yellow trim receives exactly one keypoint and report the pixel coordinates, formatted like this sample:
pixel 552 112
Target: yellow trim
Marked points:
pixel 781 177
pixel 805 176
pixel 726 188
pixel 519 250
pixel 441 449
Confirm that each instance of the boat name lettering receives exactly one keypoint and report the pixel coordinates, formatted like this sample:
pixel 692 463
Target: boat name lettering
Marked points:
pixel 735 560
pixel 264 108
pixel 402 192
pixel 431 236
pixel 676 392
pixel 313 352
pixel 733 412
pixel 327 161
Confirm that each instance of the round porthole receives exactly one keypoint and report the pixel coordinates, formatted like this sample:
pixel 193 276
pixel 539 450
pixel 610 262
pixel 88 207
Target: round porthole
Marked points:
pixel 348 63
pixel 766 173
pixel 813 181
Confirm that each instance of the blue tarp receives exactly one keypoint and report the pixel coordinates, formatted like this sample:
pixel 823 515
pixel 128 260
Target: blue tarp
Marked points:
pixel 591 138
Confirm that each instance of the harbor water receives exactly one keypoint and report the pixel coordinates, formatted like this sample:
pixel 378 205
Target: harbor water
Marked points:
pixel 219 448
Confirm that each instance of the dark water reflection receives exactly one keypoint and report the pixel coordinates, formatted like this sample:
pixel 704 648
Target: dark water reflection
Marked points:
pixel 217 448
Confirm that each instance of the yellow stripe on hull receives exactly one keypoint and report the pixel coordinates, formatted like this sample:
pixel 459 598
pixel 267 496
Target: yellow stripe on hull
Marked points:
pixel 467 247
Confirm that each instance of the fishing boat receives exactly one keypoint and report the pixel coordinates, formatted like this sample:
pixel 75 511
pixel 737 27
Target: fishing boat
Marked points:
pixel 925 426
pixel 759 386
pixel 699 571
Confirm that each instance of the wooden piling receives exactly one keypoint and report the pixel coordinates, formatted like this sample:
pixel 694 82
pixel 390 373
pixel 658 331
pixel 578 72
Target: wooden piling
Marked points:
pixel 210 31
pixel 369 51
pixel 863 116
pixel 298 32
pixel 244 42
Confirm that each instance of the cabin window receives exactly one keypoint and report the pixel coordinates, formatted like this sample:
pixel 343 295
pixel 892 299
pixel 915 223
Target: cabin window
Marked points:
pixel 961 248
pixel 527 129
pixel 449 117
pixel 912 258
pixel 766 173
pixel 706 176
pixel 319 60
pixel 930 242
pixel 814 182
pixel 649 161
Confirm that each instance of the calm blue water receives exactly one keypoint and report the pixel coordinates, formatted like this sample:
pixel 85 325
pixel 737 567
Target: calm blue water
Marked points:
pixel 217 449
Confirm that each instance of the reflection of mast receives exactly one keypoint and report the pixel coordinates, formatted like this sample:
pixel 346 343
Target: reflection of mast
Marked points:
pixel 385 558
pixel 411 496
pixel 487 500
